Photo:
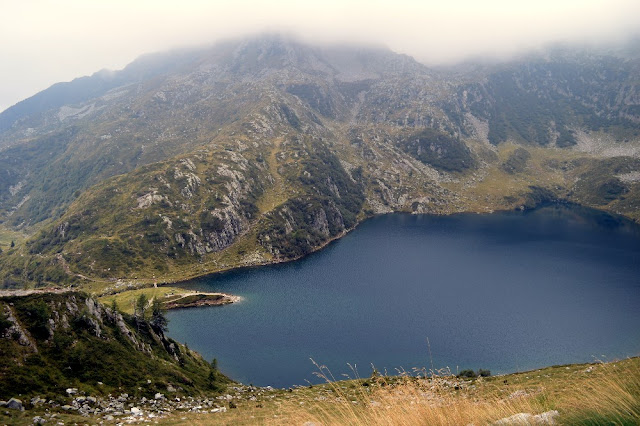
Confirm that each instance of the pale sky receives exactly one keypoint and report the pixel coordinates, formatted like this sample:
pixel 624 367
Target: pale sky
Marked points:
pixel 46 41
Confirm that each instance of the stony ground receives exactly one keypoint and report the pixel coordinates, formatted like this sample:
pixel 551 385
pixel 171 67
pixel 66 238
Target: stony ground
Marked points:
pixel 124 408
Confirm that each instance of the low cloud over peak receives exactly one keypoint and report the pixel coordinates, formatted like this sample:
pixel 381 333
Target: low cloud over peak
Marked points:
pixel 58 41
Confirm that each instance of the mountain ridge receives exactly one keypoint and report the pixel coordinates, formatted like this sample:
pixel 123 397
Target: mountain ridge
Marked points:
pixel 263 149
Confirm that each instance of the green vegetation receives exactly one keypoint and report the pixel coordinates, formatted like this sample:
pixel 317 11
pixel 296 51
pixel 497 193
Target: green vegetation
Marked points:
pixel 180 177
pixel 315 96
pixel 517 161
pixel 158 321
pixel 519 103
pixel 10 239
pixel 329 208
pixel 611 190
pixel 106 234
pixel 470 374
pixel 439 150
pixel 94 349
pixel 599 186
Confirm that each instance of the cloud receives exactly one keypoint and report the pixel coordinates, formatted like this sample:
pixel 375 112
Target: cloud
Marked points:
pixel 58 41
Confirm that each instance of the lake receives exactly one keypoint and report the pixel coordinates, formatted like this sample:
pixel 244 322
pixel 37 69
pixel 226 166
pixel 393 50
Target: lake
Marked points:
pixel 507 292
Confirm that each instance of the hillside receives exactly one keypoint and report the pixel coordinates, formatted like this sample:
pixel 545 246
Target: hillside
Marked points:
pixel 593 394
pixel 54 341
pixel 262 150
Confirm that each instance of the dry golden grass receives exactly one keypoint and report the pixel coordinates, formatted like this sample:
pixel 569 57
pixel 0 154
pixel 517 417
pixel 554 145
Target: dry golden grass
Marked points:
pixel 611 397
pixel 603 393
pixel 433 399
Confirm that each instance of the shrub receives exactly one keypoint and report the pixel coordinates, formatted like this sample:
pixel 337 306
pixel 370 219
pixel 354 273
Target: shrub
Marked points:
pixel 484 373
pixel 5 324
pixel 470 374
pixel 158 320
pixel 440 150
pixel 467 373
pixel 38 314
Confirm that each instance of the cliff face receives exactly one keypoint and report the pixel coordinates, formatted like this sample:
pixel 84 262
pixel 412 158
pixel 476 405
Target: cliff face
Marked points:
pixel 264 149
pixel 51 342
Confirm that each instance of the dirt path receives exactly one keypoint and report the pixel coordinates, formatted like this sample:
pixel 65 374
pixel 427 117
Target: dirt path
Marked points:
pixel 20 293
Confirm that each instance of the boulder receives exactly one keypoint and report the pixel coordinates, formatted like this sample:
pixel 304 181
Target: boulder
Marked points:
pixel 37 401
pixel 546 418
pixel 15 404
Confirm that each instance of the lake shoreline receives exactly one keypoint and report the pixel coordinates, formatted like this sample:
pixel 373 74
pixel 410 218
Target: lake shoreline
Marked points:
pixel 189 278
pixel 402 277
pixel 239 268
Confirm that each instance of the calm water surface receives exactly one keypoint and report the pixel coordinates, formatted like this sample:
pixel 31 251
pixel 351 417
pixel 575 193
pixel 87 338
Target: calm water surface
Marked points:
pixel 505 292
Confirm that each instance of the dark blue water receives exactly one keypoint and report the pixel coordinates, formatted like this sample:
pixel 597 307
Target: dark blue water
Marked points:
pixel 505 292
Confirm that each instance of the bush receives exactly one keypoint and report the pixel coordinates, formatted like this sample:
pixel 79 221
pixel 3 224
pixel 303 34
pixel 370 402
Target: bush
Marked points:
pixel 468 374
pixel 484 373
pixel 611 189
pixel 37 314
pixel 5 324
pixel 440 150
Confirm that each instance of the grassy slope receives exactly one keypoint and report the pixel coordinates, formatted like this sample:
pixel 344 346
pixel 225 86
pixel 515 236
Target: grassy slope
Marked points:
pixel 564 174
pixel 8 235
pixel 581 393
pixel 585 394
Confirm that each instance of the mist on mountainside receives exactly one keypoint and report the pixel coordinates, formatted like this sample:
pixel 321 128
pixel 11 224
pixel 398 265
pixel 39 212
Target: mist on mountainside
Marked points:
pixel 53 42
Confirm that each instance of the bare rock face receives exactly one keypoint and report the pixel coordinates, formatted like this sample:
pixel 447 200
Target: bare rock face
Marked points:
pixel 320 223
pixel 16 331
pixel 149 199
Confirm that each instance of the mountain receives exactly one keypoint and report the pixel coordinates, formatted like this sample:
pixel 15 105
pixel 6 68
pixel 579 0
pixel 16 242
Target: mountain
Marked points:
pixel 264 149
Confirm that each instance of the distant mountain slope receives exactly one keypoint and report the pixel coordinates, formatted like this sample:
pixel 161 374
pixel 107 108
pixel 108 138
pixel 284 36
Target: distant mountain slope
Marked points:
pixel 264 149
pixel 83 89
pixel 543 100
